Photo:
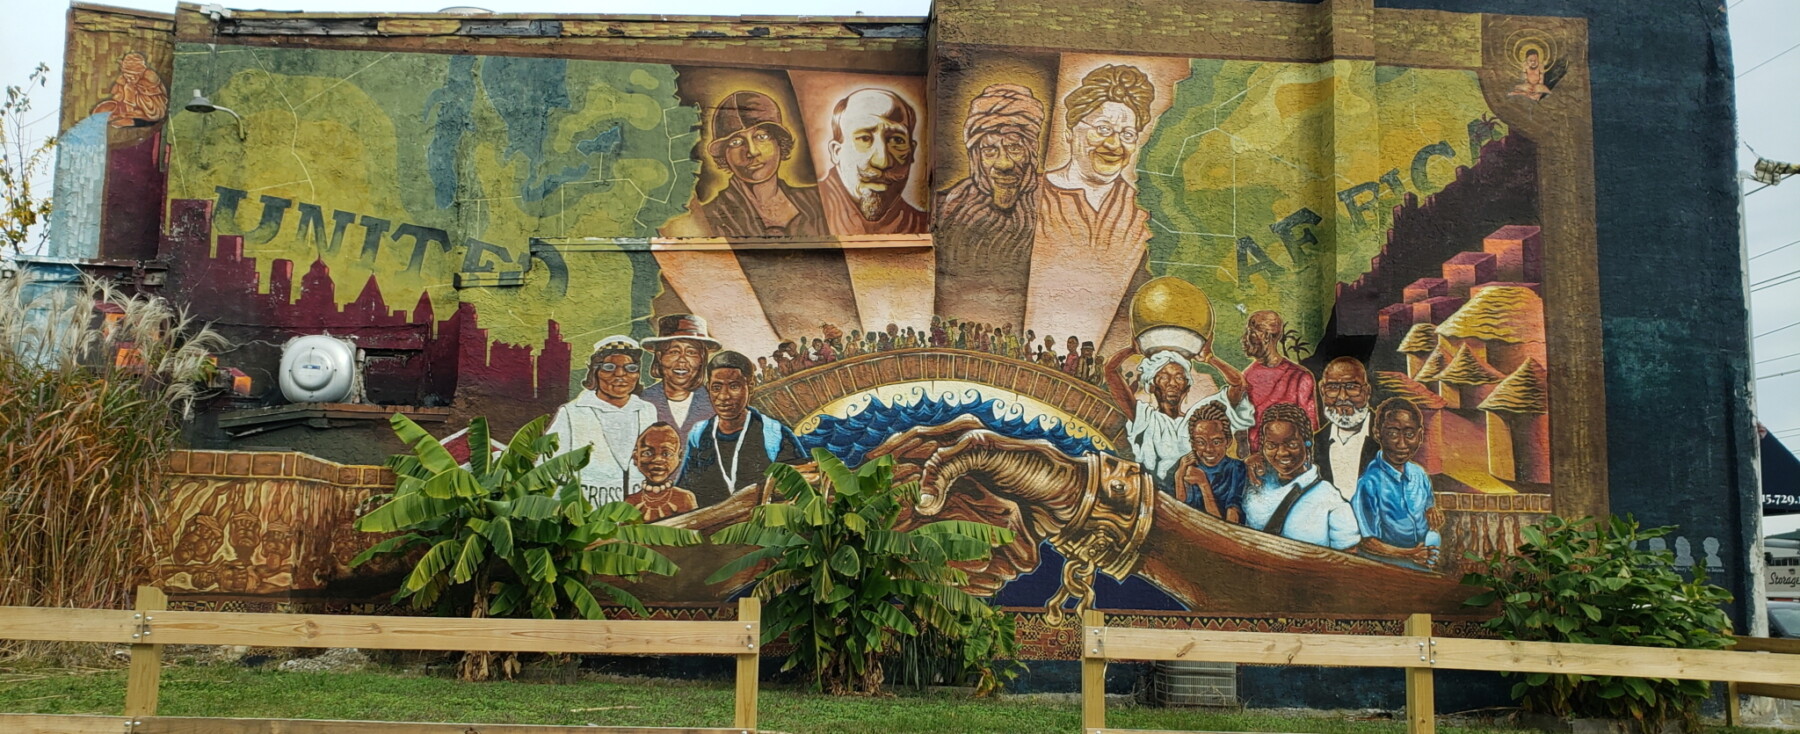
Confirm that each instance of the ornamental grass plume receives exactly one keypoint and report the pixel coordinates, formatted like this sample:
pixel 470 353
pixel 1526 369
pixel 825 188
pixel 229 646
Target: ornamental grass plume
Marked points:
pixel 94 386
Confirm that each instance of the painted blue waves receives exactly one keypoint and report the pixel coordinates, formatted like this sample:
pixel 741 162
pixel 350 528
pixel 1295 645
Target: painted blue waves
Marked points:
pixel 851 438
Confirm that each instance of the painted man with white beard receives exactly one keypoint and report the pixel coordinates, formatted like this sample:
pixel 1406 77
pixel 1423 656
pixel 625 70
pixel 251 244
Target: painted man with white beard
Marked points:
pixel 1343 441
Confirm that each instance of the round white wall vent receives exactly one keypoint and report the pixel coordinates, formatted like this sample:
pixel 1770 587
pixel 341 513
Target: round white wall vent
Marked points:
pixel 318 369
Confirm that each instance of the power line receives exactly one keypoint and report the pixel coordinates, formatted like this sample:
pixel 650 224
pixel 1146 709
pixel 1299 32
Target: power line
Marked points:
pixel 1778 359
pixel 1789 278
pixel 1771 58
pixel 1784 277
pixel 1775 277
pixel 1778 374
pixel 1783 328
pixel 1778 249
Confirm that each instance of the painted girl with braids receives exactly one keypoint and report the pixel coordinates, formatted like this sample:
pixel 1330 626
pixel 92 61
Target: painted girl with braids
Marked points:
pixel 1287 497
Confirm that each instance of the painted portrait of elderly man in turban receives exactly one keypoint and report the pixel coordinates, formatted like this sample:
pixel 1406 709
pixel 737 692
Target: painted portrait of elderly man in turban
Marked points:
pixel 1091 236
pixel 986 221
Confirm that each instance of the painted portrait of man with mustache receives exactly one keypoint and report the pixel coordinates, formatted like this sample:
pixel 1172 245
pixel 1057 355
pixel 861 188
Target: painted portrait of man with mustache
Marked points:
pixel 872 151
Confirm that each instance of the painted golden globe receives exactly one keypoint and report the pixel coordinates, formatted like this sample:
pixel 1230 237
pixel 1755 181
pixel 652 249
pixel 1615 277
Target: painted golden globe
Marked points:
pixel 1171 313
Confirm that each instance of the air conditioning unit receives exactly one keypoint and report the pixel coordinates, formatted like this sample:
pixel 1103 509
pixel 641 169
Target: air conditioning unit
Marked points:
pixel 1187 683
pixel 321 369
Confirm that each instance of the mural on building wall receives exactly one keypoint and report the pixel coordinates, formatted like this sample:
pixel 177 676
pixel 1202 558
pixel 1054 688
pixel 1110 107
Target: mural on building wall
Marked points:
pixel 1218 337
pixel 137 97
pixel 115 107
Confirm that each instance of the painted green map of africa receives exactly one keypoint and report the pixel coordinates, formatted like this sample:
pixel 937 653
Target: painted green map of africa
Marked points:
pixel 1247 145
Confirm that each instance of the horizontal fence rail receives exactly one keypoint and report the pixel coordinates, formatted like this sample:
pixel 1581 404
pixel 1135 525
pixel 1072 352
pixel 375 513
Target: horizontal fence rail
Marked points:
pixel 1419 653
pixel 590 637
pixel 60 724
pixel 147 628
pixel 1254 648
pixel 1733 689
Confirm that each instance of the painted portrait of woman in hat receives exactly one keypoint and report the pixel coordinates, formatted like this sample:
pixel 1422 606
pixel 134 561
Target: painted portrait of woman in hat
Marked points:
pixel 679 350
pixel 608 415
pixel 749 143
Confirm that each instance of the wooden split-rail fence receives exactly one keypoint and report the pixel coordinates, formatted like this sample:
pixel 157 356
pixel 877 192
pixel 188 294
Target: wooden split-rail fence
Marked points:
pixel 1747 669
pixel 1755 667
pixel 151 626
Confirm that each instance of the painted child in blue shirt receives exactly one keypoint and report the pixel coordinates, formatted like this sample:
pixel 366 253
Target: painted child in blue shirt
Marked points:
pixel 1395 507
pixel 1206 478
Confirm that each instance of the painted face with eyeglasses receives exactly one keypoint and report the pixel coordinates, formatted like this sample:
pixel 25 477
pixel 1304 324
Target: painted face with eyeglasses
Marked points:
pixel 1104 143
pixel 613 377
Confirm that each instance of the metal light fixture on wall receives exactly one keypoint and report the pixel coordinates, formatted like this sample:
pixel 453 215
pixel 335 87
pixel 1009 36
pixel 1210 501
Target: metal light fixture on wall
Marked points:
pixel 203 106
pixel 216 14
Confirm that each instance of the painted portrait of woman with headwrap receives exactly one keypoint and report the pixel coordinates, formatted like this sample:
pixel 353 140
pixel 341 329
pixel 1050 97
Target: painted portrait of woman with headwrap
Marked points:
pixel 1091 235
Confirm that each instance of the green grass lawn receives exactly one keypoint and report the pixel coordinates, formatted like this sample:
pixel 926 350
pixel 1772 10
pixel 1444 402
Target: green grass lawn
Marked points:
pixel 232 691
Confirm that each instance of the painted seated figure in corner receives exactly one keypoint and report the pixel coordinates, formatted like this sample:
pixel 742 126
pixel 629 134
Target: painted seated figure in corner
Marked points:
pixel 658 456
pixel 1395 508
pixel 1288 497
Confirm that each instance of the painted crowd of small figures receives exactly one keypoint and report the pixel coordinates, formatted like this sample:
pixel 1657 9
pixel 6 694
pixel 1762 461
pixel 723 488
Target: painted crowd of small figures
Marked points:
pixel 690 438
pixel 1078 358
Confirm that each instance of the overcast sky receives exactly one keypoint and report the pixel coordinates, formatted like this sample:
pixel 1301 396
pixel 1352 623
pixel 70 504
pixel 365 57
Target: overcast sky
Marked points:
pixel 1765 38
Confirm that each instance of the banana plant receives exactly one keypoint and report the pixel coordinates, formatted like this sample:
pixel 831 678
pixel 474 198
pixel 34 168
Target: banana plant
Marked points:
pixel 509 534
pixel 843 583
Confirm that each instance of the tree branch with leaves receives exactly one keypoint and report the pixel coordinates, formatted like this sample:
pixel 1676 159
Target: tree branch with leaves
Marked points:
pixel 21 160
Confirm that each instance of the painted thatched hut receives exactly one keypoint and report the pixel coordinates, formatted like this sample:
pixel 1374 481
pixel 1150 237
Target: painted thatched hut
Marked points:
pixel 1467 380
pixel 1518 426
pixel 1418 343
pixel 1502 325
pixel 1433 363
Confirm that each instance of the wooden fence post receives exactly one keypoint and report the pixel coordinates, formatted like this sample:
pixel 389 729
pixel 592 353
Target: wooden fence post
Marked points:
pixel 1421 704
pixel 1093 672
pixel 146 658
pixel 748 665
pixel 1731 703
